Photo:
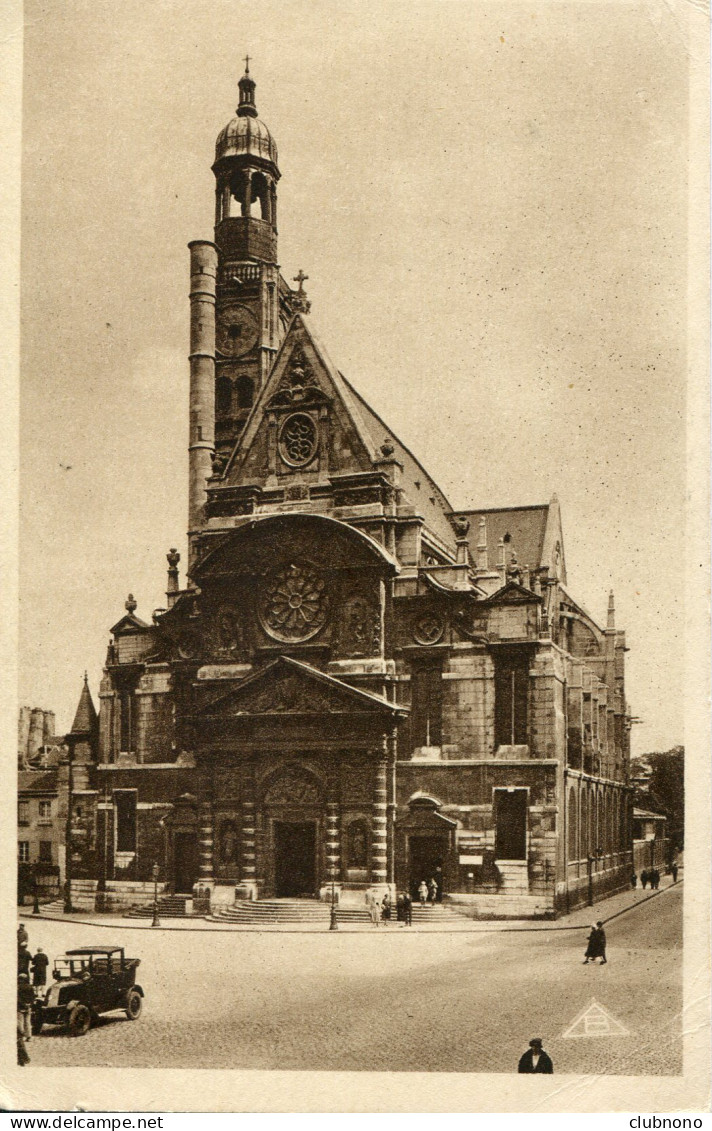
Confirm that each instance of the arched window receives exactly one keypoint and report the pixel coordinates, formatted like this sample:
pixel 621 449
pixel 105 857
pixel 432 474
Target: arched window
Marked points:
pixel 573 826
pixel 584 843
pixel 357 845
pixel 223 396
pixel 245 392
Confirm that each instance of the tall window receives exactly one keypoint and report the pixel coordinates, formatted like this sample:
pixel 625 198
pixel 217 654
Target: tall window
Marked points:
pixel 426 712
pixel 511 700
pixel 573 826
pixel 126 706
pixel 23 812
pixel 46 851
pixel 45 810
pixel 23 851
pixel 125 809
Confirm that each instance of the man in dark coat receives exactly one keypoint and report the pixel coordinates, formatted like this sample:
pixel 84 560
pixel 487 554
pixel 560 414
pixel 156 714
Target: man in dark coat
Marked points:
pixel 535 1059
pixel 39 969
pixel 673 869
pixel 407 909
pixel 23 959
pixel 644 877
pixel 596 944
pixel 634 881
pixel 21 935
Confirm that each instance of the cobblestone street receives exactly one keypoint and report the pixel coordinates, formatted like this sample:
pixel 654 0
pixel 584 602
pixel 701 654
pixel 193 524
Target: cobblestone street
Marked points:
pixel 387 1000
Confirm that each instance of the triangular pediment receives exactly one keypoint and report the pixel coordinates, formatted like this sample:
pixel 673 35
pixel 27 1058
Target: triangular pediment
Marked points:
pixel 290 687
pixel 130 623
pixel 513 594
pixel 303 381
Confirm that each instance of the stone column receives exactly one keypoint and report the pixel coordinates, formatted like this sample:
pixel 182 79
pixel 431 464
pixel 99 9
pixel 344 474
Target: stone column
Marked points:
pixel 332 844
pixel 379 821
pixel 392 757
pixel 247 887
pixel 205 841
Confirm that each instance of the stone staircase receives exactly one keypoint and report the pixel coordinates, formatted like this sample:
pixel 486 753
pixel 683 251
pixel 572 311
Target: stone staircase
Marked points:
pixel 270 912
pixel 267 912
pixel 169 907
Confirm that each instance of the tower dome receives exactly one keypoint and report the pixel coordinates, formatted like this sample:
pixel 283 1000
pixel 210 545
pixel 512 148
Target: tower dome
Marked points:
pixel 246 135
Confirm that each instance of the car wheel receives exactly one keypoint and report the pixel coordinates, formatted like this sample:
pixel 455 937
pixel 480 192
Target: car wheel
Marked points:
pixel 134 1004
pixel 79 1021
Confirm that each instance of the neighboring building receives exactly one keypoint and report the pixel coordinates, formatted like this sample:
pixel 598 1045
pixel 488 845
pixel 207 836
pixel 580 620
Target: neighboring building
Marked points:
pixel 357 685
pixel 650 845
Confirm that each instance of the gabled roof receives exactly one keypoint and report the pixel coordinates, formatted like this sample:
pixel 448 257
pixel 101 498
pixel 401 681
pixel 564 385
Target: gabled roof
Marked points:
pixel 285 666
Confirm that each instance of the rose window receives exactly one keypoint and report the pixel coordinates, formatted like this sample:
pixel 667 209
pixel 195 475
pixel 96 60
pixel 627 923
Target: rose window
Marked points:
pixel 294 603
pixel 297 440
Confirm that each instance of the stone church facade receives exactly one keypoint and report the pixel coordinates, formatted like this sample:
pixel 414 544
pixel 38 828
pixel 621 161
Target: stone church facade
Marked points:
pixel 356 686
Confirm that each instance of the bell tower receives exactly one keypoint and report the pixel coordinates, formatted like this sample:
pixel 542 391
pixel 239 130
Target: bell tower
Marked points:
pixel 253 304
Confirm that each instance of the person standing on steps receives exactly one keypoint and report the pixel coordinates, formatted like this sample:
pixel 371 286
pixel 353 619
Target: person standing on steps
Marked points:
pixel 596 944
pixel 422 892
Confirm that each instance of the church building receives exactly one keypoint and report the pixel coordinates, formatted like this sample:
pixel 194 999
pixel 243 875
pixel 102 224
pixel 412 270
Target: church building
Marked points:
pixel 355 686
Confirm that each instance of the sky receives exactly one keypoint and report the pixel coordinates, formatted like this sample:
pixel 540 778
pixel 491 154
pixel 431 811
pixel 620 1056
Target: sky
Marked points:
pixel 490 202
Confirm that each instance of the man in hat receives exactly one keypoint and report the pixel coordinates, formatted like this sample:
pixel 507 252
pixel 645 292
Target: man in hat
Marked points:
pixel 39 970
pixel 535 1059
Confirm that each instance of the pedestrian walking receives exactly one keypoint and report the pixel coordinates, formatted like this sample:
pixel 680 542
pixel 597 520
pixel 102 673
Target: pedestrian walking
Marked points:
pixel 657 879
pixel 596 944
pixel 407 909
pixel 40 962
pixel 535 1059
pixel 634 881
pixel 23 959
pixel 25 1001
pixel 22 935
pixel 644 878
pixel 400 914
pixel 673 869
pixel 432 889
pixel 422 892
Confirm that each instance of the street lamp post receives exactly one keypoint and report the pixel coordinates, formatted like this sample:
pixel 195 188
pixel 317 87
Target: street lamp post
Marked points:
pixel 333 925
pixel 35 893
pixel 590 881
pixel 156 921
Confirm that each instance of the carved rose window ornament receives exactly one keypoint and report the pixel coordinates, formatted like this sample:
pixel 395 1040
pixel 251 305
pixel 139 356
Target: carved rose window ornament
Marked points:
pixel 295 603
pixel 298 439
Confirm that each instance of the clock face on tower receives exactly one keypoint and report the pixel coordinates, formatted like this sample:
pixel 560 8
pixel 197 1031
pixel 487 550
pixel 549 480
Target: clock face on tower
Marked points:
pixel 236 331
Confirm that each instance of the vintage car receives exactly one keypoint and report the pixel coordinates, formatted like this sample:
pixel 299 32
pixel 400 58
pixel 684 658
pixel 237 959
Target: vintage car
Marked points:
pixel 89 980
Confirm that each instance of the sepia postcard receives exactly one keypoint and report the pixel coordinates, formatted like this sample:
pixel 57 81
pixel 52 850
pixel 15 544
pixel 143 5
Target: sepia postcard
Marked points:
pixel 357 641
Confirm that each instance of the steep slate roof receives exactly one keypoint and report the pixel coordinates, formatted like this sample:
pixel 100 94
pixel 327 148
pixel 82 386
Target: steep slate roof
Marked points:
pixel 534 532
pixel 428 499
pixel 40 781
pixel 85 720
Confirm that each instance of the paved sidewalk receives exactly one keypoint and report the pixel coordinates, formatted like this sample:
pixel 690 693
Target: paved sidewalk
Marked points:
pixel 582 917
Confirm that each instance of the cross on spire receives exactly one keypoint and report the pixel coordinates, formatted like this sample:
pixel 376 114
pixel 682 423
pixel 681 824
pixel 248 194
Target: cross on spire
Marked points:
pixel 247 64
pixel 300 278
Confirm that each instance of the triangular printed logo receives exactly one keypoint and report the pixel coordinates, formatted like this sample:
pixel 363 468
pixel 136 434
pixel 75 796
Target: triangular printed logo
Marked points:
pixel 595 1021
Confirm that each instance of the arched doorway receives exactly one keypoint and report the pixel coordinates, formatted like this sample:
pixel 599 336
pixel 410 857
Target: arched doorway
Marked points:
pixel 293 814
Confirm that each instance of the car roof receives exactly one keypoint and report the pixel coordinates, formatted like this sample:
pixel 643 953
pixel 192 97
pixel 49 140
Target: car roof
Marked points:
pixel 94 949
